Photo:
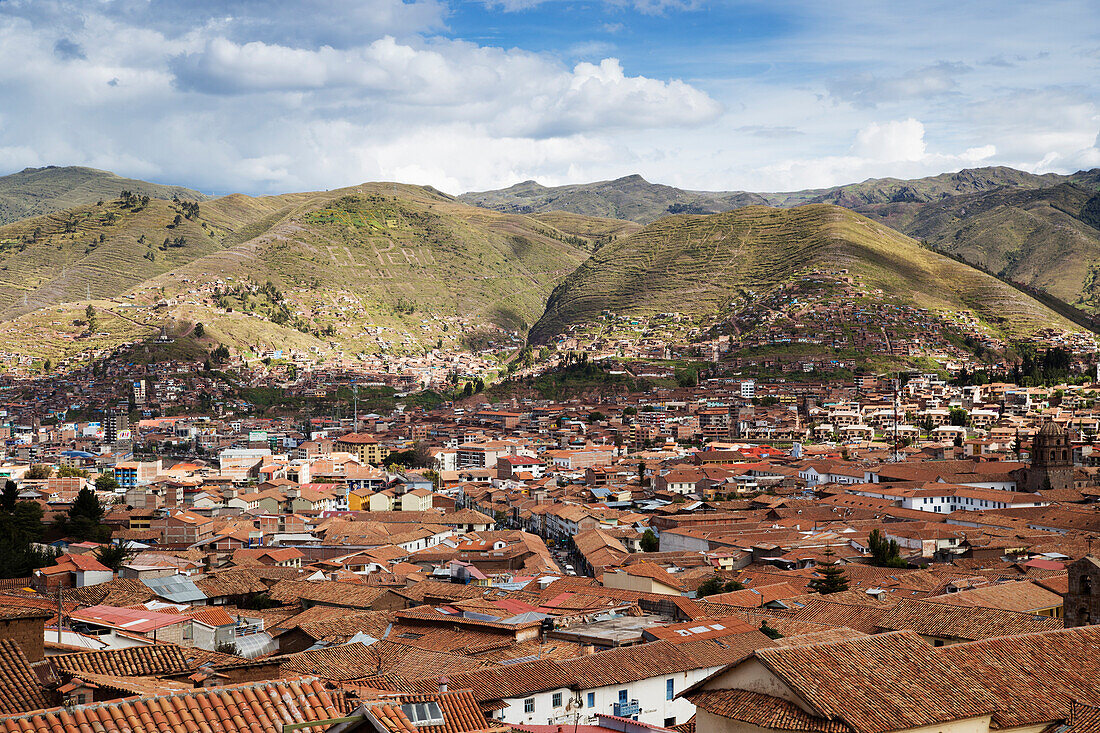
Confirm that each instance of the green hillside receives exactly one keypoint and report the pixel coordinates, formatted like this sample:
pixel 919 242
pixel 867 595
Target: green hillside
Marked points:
pixel 700 265
pixel 96 251
pixel 365 269
pixel 631 198
pixel 635 199
pixel 1047 238
pixel 36 191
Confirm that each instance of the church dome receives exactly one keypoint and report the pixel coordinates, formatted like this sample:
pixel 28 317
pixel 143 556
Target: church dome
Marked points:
pixel 1051 428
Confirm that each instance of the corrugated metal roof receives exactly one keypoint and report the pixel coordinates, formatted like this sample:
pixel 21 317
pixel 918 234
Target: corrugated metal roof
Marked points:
pixel 176 588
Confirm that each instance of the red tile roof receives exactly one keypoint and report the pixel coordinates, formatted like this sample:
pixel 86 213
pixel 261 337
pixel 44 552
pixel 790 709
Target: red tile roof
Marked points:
pixel 257 706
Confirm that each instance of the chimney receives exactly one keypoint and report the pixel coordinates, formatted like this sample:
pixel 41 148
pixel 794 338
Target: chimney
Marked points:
pixel 443 684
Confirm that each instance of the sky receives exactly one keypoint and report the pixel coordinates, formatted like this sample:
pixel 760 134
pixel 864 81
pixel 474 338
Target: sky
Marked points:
pixel 271 96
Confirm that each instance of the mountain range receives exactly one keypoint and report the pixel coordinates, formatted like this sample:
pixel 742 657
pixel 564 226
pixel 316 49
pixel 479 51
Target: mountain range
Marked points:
pixel 395 267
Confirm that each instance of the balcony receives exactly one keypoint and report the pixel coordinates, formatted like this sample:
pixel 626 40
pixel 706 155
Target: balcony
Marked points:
pixel 627 709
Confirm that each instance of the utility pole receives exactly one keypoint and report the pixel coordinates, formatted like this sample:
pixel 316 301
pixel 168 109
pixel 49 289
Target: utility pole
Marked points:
pixel 355 401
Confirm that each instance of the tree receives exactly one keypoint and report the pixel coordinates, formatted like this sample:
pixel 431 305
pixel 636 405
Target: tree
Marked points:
pixel 596 416
pixel 641 473
pixel 85 515
pixel 832 578
pixel 885 553
pixel 71 472
pixel 115 556
pixel 650 543
pixel 715 585
pixel 199 330
pixel 106 483
pixel 39 471
pixel 20 527
pixel 9 496
pixel 770 632
pixel 89 316
pixel 958 416
pixel 468 390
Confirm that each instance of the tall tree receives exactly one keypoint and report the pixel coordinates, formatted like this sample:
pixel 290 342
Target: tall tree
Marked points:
pixel 115 556
pixel 831 577
pixel 85 516
pixel 885 553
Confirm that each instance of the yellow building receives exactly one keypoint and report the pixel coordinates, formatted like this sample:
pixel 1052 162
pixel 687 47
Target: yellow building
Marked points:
pixel 364 447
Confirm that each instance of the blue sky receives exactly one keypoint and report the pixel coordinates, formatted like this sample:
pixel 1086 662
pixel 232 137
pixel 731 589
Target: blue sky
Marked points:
pixel 267 96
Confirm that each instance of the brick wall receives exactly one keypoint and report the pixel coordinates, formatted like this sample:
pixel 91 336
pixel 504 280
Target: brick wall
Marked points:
pixel 28 633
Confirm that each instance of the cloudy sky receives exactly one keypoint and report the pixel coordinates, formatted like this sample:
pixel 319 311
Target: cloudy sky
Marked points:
pixel 265 96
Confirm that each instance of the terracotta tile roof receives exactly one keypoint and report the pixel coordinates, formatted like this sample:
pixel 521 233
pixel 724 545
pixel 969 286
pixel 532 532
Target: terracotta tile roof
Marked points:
pixel 614 666
pixel 155 659
pixel 117 592
pixel 1084 719
pixel 1024 595
pixel 1035 678
pixel 861 617
pixel 256 706
pixel 355 661
pixel 962 622
pixel 391 718
pixel 351 595
pixel 764 711
pixel 145 686
pixel 879 683
pixel 20 688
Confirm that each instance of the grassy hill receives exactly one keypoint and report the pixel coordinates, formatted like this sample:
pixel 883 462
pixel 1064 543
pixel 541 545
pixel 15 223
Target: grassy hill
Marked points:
pixel 636 199
pixel 701 265
pixel 96 251
pixel 631 198
pixel 369 268
pixel 36 191
pixel 1048 238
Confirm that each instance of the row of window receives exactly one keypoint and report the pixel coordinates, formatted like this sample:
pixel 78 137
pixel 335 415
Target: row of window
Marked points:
pixel 624 696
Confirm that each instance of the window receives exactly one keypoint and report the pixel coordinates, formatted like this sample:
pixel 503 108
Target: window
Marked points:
pixel 557 700
pixel 669 722
pixel 529 705
pixel 622 695
pixel 670 689
pixel 591 699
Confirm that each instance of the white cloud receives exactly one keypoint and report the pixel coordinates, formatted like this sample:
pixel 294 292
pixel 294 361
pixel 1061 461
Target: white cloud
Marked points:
pixel 276 95
pixel 891 141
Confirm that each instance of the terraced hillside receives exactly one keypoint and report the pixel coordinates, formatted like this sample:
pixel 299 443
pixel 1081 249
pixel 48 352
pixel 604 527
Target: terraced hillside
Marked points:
pixel 1047 238
pixel 37 191
pixel 631 197
pixel 97 251
pixel 362 269
pixel 636 199
pixel 705 265
pixel 399 259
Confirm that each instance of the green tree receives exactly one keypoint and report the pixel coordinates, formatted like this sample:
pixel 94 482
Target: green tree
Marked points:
pixel 769 631
pixel 832 578
pixel 596 416
pixel 885 553
pixel 115 556
pixel 39 471
pixel 71 472
pixel 20 527
pixel 85 515
pixel 199 330
pixel 958 416
pixel 9 496
pixel 106 482
pixel 649 542
pixel 89 316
